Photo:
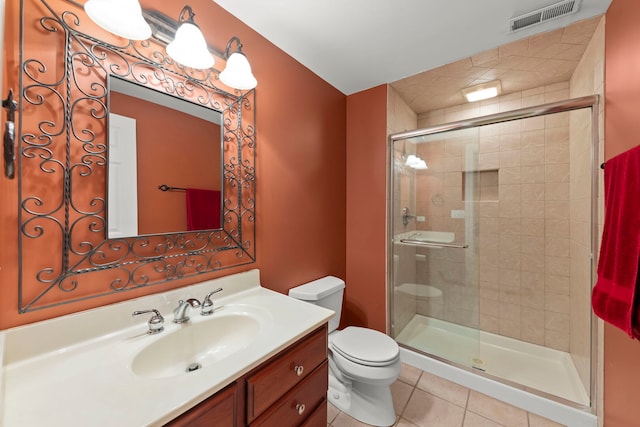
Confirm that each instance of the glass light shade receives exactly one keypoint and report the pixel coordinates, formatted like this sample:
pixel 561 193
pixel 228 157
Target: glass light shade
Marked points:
pixel 237 73
pixel 120 17
pixel 189 47
pixel 412 160
pixel 416 162
pixel 421 165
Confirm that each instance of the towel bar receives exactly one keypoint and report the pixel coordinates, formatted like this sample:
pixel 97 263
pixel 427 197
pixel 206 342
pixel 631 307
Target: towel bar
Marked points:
pixel 165 187
pixel 434 244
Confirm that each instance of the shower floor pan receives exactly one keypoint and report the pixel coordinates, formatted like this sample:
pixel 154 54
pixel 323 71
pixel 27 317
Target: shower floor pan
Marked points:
pixel 540 368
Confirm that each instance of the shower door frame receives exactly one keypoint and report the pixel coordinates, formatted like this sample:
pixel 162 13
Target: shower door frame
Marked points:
pixel 591 102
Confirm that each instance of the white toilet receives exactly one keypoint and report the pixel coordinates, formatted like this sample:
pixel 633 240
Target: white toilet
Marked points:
pixel 363 363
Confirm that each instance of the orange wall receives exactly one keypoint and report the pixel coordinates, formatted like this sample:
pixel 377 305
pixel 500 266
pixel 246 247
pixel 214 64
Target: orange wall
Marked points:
pixel 366 208
pixel 622 132
pixel 301 173
pixel 161 133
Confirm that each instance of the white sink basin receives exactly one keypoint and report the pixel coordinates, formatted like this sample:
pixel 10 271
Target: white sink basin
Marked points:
pixel 198 345
pixel 143 380
pixel 427 236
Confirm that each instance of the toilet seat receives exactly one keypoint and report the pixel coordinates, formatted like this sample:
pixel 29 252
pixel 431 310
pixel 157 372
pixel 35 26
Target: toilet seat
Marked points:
pixel 365 346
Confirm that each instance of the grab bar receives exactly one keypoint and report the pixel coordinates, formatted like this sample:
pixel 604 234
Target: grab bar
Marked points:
pixel 434 244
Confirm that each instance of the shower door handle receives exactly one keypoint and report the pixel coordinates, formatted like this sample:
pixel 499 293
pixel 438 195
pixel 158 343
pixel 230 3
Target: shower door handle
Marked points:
pixel 434 244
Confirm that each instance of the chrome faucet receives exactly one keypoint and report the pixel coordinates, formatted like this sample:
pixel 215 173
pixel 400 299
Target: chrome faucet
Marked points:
pixel 180 314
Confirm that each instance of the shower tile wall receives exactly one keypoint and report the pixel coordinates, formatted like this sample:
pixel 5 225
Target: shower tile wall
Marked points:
pixel 523 233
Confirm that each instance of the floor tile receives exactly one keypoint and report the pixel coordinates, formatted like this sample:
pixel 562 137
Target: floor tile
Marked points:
pixel 425 409
pixel 344 420
pixel 425 400
pixel 409 374
pixel 447 390
pixel 404 423
pixel 496 410
pixel 401 392
pixel 332 413
pixel 474 420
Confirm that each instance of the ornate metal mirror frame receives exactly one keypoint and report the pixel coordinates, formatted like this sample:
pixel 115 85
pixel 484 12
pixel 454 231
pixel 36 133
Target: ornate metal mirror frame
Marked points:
pixel 64 255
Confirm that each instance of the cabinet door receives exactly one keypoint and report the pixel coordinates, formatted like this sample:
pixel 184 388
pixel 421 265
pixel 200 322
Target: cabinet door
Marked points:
pixel 217 411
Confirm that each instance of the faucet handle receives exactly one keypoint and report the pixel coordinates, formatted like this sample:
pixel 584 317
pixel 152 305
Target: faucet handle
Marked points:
pixel 207 304
pixel 156 323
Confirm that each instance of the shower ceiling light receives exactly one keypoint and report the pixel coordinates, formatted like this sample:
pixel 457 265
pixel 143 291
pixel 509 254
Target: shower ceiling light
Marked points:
pixel 482 91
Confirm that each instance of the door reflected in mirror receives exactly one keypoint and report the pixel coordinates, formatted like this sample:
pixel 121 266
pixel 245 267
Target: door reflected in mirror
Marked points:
pixel 165 163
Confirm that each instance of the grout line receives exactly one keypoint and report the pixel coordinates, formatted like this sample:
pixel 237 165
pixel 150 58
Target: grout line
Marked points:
pixel 466 407
pixel 414 386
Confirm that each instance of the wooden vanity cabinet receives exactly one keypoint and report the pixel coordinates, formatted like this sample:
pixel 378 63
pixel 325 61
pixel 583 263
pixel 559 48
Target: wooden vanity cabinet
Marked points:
pixel 288 390
pixel 317 418
pixel 220 410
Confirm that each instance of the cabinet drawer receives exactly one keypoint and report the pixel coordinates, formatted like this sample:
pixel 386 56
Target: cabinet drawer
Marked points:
pixel 219 410
pixel 278 377
pixel 318 418
pixel 299 404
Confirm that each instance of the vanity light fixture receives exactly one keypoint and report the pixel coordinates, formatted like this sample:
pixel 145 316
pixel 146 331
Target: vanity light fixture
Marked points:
pixel 120 17
pixel 237 73
pixel 189 47
pixel 185 43
pixel 482 91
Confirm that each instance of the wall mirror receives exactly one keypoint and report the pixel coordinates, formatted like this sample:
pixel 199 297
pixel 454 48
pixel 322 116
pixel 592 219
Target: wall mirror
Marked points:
pixel 164 151
pixel 68 166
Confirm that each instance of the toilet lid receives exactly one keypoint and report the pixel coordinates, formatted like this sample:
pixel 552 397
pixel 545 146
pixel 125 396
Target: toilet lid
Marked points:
pixel 365 346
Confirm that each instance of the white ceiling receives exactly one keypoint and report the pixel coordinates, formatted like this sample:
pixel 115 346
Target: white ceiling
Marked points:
pixel 358 44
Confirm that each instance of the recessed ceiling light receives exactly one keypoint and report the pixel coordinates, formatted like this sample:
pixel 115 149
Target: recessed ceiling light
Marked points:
pixel 482 91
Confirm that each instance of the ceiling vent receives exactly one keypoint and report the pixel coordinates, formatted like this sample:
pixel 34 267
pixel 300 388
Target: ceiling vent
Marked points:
pixel 556 10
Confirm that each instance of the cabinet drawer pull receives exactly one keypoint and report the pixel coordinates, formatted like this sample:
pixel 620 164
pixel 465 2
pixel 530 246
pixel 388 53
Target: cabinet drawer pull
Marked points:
pixel 300 408
pixel 299 369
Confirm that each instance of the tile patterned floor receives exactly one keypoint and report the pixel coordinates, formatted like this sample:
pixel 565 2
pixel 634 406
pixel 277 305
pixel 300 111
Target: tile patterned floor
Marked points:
pixel 425 400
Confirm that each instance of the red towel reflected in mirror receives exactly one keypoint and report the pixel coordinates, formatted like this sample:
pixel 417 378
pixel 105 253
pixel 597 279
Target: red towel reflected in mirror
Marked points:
pixel 203 209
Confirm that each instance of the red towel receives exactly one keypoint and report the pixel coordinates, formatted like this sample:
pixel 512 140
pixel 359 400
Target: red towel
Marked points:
pixel 614 295
pixel 203 209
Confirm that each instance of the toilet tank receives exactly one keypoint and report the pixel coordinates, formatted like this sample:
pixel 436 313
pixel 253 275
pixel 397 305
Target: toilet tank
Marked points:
pixel 326 292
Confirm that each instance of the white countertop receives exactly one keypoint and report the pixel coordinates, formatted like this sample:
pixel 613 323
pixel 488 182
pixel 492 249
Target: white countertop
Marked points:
pixel 76 370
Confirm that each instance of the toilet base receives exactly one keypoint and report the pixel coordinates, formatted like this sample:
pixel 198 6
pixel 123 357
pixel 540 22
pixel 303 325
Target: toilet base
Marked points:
pixel 366 403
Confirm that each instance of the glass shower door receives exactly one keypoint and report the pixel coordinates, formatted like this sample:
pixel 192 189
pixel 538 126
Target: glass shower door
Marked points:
pixel 438 193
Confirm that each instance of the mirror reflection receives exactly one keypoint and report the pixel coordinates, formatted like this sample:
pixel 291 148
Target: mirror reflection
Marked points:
pixel 164 167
